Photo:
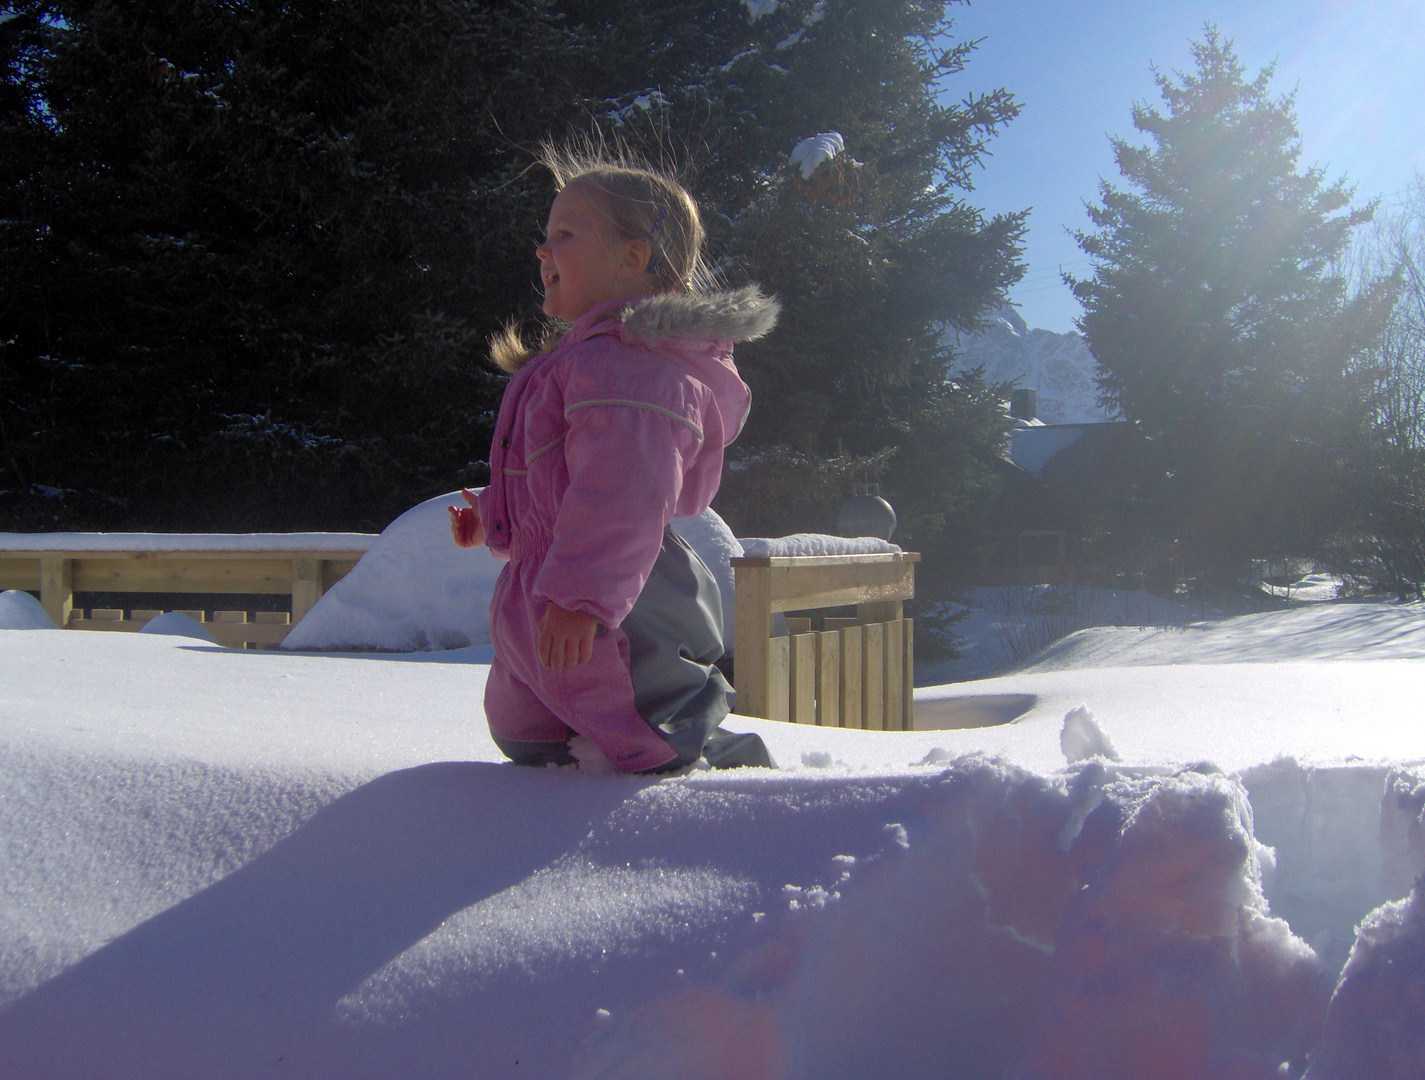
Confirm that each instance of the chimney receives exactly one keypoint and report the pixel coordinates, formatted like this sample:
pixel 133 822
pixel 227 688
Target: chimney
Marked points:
pixel 1024 403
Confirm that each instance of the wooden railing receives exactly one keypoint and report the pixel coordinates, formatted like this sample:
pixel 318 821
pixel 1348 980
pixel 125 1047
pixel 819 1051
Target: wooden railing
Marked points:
pixel 855 672
pixel 300 565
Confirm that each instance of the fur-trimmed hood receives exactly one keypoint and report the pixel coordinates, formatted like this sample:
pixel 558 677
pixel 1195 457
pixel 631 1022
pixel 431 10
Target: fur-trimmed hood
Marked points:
pixel 728 316
pixel 734 315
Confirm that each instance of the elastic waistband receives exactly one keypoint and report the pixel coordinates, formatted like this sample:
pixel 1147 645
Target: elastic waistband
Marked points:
pixel 530 545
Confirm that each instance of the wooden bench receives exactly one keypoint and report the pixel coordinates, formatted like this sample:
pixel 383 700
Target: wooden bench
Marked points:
pixel 300 565
pixel 855 672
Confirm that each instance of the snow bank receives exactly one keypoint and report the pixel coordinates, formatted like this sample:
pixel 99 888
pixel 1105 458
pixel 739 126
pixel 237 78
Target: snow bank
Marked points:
pixel 253 864
pixel 1006 626
pixel 21 611
pixel 177 624
pixel 413 590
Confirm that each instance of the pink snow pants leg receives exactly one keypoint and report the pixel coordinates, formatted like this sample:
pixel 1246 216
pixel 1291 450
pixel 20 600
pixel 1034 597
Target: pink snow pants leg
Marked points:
pixel 531 710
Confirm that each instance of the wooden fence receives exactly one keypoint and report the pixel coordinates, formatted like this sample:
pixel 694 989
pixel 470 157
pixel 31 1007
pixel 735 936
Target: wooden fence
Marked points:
pixel 300 565
pixel 854 672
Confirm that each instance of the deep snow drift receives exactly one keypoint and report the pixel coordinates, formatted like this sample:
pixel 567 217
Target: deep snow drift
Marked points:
pixel 228 863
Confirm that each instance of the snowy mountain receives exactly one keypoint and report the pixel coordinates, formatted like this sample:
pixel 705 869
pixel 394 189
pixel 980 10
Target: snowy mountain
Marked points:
pixel 1059 366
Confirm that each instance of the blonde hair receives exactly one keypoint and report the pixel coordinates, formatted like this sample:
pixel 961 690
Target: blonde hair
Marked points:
pixel 639 203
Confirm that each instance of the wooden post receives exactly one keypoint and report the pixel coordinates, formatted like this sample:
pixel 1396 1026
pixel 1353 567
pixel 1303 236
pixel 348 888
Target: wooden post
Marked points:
pixel 306 586
pixel 752 639
pixel 57 588
pixel 828 679
pixel 802 679
pixel 851 713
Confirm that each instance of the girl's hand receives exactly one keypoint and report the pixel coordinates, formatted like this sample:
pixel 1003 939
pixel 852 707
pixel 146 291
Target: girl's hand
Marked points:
pixel 566 638
pixel 465 526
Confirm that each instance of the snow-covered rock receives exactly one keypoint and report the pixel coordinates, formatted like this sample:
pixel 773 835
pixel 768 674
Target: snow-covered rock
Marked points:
pixel 1059 366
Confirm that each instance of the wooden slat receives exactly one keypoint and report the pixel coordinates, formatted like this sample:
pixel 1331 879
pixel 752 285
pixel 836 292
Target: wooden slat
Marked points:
pixel 183 575
pixel 873 678
pixel 798 625
pixel 752 634
pixel 908 678
pixel 145 614
pixel 230 616
pixel 802 679
pixel 272 618
pixel 200 616
pixel 828 679
pixel 778 678
pixel 106 614
pixel 800 588
pixel 838 622
pixel 236 635
pixel 126 626
pixel 852 639
pixel 20 573
pixel 893 669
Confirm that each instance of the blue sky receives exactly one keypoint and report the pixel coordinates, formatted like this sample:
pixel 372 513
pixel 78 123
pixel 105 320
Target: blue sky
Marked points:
pixel 1358 69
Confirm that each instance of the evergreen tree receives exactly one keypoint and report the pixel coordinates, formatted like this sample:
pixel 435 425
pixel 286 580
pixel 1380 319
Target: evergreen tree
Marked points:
pixel 874 253
pixel 255 252
pixel 1219 321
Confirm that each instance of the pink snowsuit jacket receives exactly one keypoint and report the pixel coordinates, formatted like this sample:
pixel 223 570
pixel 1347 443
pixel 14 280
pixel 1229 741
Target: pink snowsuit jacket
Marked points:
pixel 599 444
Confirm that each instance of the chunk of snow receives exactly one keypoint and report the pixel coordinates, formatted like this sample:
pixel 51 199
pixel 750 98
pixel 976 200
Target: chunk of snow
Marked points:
pixel 21 611
pixel 177 624
pixel 811 152
pixel 1375 1027
pixel 815 544
pixel 1082 738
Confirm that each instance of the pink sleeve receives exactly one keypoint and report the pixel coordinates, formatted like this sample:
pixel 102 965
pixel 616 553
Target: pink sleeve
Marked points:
pixel 625 466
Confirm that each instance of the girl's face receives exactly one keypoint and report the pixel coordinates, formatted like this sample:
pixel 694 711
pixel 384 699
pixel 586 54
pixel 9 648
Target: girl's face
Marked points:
pixel 582 264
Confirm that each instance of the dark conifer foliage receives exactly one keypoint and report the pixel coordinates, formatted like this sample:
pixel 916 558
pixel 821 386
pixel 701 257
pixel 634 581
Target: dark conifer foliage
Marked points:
pixel 251 251
pixel 254 251
pixel 1219 319
pixel 873 255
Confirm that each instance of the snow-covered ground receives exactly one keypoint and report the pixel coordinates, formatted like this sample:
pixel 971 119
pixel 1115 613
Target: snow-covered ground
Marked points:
pixel 225 863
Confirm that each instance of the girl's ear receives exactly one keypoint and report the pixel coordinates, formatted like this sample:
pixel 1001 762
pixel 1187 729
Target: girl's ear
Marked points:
pixel 633 259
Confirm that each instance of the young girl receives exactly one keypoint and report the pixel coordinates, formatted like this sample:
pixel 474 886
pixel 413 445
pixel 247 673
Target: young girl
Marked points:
pixel 604 621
